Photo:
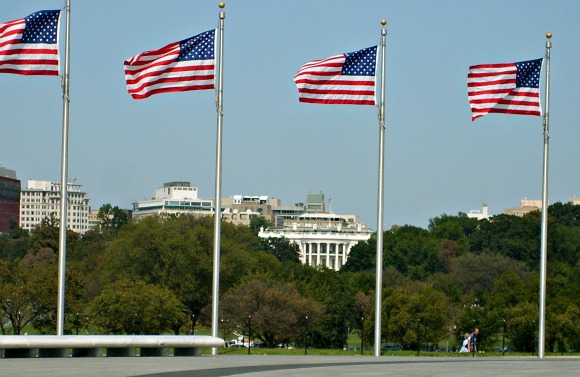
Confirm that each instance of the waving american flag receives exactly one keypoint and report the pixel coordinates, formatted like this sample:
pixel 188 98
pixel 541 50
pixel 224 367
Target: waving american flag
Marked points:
pixel 340 79
pixel 510 88
pixel 29 46
pixel 177 67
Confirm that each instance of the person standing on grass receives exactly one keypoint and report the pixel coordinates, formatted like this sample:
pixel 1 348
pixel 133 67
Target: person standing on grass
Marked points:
pixel 465 344
pixel 472 343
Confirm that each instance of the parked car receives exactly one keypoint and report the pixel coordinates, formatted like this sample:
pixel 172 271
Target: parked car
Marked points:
pixel 391 347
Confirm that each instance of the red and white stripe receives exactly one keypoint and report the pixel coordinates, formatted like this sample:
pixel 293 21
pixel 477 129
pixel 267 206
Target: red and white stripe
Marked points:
pixel 321 81
pixel 26 58
pixel 158 71
pixel 491 88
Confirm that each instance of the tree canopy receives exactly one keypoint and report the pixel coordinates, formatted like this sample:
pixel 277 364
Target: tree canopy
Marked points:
pixel 154 275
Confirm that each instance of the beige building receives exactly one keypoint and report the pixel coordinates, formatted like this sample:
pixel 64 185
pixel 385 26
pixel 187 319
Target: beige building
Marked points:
pixel 526 206
pixel 238 209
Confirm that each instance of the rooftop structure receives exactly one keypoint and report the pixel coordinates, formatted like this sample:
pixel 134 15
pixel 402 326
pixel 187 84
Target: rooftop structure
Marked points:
pixel 480 215
pixel 174 198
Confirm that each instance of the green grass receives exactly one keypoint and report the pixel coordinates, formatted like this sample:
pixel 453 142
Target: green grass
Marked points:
pixel 353 340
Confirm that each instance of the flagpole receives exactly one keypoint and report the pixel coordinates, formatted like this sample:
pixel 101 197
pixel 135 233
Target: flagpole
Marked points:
pixel 64 178
pixel 218 193
pixel 379 283
pixel 544 235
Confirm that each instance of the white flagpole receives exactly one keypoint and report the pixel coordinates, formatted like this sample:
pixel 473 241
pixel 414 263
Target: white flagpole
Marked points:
pixel 379 283
pixel 544 235
pixel 218 191
pixel 64 178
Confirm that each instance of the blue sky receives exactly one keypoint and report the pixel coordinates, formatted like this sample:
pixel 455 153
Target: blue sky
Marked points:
pixel 436 159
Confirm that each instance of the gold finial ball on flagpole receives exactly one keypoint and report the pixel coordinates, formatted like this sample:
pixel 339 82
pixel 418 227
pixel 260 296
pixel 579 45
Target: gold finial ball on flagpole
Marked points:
pixel 383 22
pixel 548 35
pixel 222 5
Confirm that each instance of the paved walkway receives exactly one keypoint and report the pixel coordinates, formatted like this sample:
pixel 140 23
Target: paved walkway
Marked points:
pixel 303 366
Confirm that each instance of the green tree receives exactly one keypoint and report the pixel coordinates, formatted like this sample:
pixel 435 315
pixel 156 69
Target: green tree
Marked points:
pixel 47 235
pixel 521 324
pixel 111 219
pixel 29 292
pixel 135 307
pixel 511 236
pixel 566 214
pixel 472 275
pixel 281 248
pixel 412 251
pixel 259 222
pixel 415 313
pixel 172 252
pixel 457 229
pixel 276 310
pixel 177 252
pixel 362 256
pixel 14 246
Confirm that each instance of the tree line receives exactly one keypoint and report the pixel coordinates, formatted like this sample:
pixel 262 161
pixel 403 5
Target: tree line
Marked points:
pixel 154 276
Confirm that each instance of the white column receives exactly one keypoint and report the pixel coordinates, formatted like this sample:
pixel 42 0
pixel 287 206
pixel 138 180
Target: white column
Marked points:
pixel 317 254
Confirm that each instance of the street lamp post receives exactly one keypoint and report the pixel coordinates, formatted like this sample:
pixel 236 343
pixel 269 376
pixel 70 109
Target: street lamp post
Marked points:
pixel 362 331
pixel 19 318
pixel 474 341
pixel 306 335
pixel 503 339
pixel 418 336
pixel 77 323
pixel 533 338
pixel 249 334
pixel 223 328
pixel 562 350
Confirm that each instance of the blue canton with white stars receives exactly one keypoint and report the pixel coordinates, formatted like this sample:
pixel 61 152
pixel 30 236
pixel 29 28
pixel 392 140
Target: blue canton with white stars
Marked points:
pixel 41 27
pixel 360 63
pixel 199 47
pixel 528 73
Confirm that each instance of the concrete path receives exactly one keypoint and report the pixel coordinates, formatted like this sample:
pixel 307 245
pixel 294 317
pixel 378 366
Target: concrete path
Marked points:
pixel 302 366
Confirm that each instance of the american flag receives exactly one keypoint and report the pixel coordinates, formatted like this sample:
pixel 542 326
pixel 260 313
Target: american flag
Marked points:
pixel 29 46
pixel 341 79
pixel 510 88
pixel 177 67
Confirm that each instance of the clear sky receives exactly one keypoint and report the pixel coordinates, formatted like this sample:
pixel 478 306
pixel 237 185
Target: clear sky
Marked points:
pixel 436 159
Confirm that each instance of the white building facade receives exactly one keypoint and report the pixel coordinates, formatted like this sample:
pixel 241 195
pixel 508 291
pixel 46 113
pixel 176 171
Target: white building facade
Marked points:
pixel 174 198
pixel 41 199
pixel 480 215
pixel 324 239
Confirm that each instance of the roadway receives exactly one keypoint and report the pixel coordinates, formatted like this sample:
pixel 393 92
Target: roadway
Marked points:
pixel 302 366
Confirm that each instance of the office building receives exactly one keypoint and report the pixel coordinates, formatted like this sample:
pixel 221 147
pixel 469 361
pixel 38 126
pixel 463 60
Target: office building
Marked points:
pixel 9 199
pixel 41 199
pixel 174 198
